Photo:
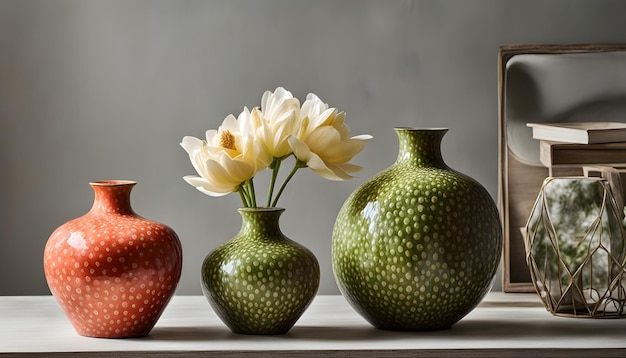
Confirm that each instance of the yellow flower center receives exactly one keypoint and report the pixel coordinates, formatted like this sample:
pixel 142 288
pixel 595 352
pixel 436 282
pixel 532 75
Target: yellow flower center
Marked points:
pixel 227 140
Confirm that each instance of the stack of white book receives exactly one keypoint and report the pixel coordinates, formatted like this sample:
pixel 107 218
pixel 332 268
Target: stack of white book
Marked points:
pixel 578 144
pixel 584 148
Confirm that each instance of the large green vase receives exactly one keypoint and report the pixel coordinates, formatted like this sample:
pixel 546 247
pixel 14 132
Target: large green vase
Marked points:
pixel 260 281
pixel 416 247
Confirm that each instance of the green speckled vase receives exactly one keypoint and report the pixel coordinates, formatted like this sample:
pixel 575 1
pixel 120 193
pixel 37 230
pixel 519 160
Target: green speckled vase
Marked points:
pixel 416 247
pixel 260 282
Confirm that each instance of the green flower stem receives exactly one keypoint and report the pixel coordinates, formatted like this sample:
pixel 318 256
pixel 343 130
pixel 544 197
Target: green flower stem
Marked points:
pixel 250 184
pixel 244 199
pixel 299 164
pixel 275 168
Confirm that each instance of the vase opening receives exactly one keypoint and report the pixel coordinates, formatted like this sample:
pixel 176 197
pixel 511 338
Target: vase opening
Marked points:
pixel 261 209
pixel 420 129
pixel 113 182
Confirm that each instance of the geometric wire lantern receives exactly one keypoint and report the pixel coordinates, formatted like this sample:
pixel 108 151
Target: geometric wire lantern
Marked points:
pixel 576 249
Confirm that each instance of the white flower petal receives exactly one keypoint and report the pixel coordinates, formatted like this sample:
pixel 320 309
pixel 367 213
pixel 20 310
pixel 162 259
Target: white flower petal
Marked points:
pixel 195 180
pixel 218 176
pixel 212 193
pixel 318 166
pixel 339 172
pixel 322 138
pixel 331 172
pixel 212 137
pixel 362 137
pixel 237 171
pixel 230 123
pixel 191 144
pixel 344 151
pixel 246 122
pixel 204 186
pixel 350 168
pixel 300 150
pixel 316 163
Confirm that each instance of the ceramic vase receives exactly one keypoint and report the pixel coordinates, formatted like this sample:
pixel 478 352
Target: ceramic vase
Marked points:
pixel 576 250
pixel 416 247
pixel 112 271
pixel 260 281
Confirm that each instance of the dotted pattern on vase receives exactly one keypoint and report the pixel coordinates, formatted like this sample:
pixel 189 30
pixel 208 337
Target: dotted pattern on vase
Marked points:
pixel 260 282
pixel 416 247
pixel 111 271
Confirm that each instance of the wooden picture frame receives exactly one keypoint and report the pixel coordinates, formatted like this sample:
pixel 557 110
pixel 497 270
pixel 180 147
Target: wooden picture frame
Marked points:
pixel 518 182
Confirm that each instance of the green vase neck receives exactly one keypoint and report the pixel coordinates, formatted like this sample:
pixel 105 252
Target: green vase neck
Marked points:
pixel 261 222
pixel 421 147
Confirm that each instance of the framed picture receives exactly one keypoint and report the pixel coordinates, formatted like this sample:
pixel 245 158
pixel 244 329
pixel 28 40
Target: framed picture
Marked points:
pixel 546 83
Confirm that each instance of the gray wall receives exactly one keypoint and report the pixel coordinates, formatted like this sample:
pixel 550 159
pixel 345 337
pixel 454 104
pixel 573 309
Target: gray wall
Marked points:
pixel 106 89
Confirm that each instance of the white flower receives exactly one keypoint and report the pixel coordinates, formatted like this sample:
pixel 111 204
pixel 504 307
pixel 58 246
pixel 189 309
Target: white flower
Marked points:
pixel 322 141
pixel 228 158
pixel 232 155
pixel 276 121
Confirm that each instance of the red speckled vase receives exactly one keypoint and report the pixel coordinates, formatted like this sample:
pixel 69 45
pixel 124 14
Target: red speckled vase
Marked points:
pixel 112 271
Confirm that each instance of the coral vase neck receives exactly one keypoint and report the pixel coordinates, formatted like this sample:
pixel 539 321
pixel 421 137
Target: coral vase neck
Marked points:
pixel 421 147
pixel 261 222
pixel 112 197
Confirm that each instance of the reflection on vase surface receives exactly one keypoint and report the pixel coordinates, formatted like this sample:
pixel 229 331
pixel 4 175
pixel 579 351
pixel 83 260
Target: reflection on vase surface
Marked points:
pixel 575 248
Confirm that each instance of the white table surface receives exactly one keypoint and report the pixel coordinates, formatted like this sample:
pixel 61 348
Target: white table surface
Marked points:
pixel 504 325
